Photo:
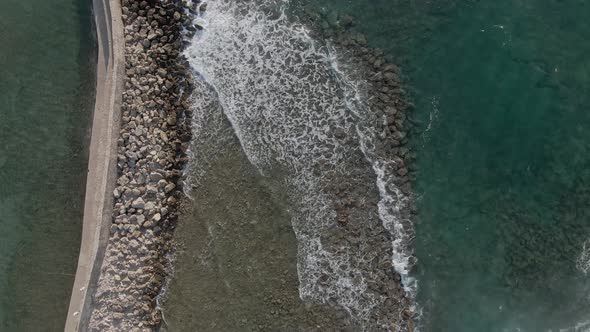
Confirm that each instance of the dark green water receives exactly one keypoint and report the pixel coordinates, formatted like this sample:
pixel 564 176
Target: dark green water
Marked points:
pixel 501 92
pixel 46 97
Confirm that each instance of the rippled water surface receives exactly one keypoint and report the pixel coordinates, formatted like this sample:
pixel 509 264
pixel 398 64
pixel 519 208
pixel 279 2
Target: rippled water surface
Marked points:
pixel 46 97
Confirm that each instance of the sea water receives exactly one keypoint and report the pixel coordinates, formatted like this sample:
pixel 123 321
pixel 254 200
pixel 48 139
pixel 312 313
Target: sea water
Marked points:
pixel 46 97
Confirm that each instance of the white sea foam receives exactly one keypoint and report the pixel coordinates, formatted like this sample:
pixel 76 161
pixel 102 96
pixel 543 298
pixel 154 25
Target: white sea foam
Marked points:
pixel 583 326
pixel 583 261
pixel 393 201
pixel 284 95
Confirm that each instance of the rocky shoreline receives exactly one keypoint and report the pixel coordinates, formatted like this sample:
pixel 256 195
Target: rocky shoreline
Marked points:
pixel 154 136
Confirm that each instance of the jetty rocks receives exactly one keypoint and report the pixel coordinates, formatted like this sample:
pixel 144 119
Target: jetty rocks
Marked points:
pixel 390 112
pixel 152 145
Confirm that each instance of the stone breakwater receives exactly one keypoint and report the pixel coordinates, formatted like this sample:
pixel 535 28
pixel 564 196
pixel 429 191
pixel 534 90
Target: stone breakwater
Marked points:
pixel 154 136
pixel 387 99
pixel 388 103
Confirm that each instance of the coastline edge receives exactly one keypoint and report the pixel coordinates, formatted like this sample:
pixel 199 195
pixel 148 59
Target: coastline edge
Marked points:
pixel 102 164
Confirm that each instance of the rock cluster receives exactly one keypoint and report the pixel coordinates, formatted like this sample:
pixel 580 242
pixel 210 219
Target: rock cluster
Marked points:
pixel 390 106
pixel 154 136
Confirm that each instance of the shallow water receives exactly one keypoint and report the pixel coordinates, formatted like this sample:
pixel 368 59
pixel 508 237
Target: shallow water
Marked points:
pixel 46 96
pixel 501 94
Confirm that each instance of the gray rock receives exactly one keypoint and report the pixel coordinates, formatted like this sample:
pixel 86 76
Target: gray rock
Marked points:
pixel 162 72
pixel 137 219
pixel 140 219
pixel 133 244
pixel 169 187
pixel 171 120
pixel 138 203
pixel 151 190
pixel 148 224
pixel 123 180
pixel 155 177
pixel 389 76
pixel 390 111
pixel 346 21
pixel 378 63
pixel 149 206
pixel 164 211
pixel 399 135
pixel 139 132
pixel 390 67
pixel 402 171
pixel 140 179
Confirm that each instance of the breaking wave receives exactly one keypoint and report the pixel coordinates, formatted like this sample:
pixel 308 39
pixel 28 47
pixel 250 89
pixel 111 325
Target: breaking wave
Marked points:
pixel 583 261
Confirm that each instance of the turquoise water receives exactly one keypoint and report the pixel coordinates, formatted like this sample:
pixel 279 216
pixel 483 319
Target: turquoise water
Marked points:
pixel 46 97
pixel 501 94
